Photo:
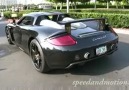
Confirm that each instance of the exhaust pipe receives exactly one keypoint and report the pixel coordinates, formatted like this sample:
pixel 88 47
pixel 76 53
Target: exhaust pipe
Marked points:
pixel 86 55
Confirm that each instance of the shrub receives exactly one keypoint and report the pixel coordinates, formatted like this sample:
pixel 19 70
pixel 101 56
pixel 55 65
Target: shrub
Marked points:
pixel 80 6
pixel 119 11
pixel 7 14
pixel 116 20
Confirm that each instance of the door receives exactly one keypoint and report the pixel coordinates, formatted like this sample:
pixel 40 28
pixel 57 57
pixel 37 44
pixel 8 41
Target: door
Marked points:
pixel 20 28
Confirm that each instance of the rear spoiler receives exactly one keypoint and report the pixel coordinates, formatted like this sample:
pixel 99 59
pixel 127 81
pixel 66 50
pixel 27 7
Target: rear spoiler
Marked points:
pixel 68 23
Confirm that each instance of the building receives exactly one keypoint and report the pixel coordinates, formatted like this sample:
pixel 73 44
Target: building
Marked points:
pixel 29 1
pixel 8 2
pixel 12 2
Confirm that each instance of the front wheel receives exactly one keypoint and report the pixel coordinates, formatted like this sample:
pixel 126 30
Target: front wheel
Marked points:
pixel 37 56
pixel 8 35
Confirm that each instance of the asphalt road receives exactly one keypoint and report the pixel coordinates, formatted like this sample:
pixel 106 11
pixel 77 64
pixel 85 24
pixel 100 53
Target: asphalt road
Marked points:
pixel 18 73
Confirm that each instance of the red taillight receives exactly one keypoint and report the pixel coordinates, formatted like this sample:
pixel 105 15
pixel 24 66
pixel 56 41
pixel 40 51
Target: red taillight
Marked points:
pixel 65 40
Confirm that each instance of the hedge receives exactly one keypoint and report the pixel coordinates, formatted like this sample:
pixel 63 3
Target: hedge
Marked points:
pixel 7 14
pixel 116 20
pixel 119 11
pixel 80 6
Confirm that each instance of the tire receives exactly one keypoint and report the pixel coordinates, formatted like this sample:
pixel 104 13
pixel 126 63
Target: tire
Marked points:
pixel 8 35
pixel 37 56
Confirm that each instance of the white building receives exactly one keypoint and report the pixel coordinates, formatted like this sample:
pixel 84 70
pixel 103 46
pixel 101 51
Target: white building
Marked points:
pixel 29 1
pixel 12 2
pixel 8 2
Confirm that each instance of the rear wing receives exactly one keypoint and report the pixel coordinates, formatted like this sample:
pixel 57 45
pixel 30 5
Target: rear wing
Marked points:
pixel 68 23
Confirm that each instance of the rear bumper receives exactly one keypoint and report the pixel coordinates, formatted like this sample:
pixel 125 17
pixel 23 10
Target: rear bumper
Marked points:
pixel 65 58
pixel 84 61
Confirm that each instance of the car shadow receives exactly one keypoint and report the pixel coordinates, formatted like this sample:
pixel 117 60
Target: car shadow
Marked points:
pixel 3 69
pixel 114 62
pixel 6 49
pixel 2 29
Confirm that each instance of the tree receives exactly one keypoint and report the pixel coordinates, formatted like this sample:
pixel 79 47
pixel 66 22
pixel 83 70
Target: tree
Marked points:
pixel 117 2
pixel 84 1
pixel 54 1
pixel 73 3
pixel 124 2
pixel 95 3
pixel 105 1
pixel 61 3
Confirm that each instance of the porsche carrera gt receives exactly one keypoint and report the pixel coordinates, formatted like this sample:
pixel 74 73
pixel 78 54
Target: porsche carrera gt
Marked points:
pixel 54 40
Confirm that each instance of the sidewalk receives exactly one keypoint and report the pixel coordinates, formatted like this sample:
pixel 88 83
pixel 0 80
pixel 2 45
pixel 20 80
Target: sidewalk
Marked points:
pixel 121 31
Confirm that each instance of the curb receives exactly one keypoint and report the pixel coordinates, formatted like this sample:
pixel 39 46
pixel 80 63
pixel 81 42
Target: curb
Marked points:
pixel 121 31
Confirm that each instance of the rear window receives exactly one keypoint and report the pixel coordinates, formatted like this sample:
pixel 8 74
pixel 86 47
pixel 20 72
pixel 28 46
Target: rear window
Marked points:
pixel 92 24
pixel 95 24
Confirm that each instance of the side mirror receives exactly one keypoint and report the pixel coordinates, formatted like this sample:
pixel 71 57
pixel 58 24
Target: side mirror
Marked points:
pixel 14 21
pixel 11 21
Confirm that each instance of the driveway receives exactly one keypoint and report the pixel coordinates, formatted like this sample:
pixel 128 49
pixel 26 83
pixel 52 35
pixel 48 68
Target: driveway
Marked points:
pixel 18 73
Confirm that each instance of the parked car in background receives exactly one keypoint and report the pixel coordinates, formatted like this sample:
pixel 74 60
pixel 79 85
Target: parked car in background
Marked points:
pixel 45 6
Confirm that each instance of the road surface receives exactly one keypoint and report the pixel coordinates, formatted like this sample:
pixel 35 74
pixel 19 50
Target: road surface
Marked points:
pixel 18 73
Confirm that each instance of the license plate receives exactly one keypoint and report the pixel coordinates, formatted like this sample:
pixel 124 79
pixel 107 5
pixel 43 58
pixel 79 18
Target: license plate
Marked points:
pixel 101 50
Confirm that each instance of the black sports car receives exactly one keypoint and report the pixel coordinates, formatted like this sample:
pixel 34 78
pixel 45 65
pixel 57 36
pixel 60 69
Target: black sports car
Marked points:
pixel 55 40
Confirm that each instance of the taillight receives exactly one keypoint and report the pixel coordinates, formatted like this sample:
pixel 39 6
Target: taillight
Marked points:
pixel 65 40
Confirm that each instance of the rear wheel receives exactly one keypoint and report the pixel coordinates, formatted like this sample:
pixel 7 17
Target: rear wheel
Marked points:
pixel 38 57
pixel 8 35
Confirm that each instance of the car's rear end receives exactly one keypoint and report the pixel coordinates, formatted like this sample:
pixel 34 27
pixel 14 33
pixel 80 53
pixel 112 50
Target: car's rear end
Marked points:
pixel 79 45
